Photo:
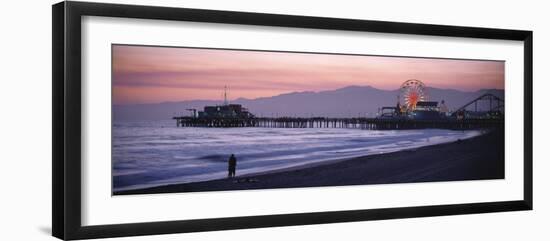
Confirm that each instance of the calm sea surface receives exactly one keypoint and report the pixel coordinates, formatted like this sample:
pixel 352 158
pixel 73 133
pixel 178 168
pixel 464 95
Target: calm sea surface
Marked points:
pixel 154 153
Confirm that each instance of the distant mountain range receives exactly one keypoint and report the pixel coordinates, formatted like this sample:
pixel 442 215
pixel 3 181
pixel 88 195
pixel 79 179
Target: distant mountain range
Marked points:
pixel 351 101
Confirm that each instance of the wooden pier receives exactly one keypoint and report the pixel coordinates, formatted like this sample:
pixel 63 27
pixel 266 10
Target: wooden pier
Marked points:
pixel 353 123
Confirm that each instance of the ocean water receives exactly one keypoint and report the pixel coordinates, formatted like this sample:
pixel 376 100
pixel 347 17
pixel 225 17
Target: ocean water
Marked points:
pixel 155 153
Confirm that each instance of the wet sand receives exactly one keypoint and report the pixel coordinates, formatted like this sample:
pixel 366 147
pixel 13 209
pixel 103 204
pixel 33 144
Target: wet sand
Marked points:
pixel 477 158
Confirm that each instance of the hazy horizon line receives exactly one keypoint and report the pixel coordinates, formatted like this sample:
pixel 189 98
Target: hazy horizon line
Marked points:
pixel 293 92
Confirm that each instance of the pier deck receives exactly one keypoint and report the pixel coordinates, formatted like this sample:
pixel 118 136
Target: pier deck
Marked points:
pixel 322 122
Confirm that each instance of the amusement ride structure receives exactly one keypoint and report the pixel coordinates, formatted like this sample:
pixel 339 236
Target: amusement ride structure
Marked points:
pixel 411 92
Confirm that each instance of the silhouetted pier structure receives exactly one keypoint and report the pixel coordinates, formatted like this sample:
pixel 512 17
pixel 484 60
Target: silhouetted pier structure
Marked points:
pixel 425 115
pixel 353 123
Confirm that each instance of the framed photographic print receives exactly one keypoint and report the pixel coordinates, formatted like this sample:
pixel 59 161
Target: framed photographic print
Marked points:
pixel 217 120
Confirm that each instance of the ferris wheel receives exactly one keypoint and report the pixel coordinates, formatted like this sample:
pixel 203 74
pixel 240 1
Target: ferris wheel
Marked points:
pixel 411 92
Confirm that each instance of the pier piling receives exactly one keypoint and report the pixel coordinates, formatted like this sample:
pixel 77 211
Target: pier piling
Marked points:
pixel 350 123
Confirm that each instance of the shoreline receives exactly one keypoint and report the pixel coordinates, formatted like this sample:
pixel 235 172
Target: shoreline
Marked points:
pixel 476 158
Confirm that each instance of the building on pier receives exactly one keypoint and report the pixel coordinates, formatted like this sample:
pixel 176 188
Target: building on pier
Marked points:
pixel 427 110
pixel 225 111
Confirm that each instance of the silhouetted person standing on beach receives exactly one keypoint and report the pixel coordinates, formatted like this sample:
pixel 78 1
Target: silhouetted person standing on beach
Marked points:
pixel 232 165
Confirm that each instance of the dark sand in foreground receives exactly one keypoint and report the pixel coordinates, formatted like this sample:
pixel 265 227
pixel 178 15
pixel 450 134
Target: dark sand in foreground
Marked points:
pixel 477 158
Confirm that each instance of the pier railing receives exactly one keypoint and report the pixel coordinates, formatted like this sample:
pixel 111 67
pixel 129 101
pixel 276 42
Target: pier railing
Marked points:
pixel 355 123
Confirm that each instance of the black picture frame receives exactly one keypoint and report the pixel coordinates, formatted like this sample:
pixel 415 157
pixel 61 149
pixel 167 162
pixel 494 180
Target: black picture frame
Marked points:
pixel 66 128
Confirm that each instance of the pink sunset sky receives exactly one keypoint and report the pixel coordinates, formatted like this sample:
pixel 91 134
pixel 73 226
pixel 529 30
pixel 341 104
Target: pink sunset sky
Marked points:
pixel 144 74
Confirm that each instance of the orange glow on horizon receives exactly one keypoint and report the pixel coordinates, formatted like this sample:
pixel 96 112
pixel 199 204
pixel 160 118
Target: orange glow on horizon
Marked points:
pixel 143 74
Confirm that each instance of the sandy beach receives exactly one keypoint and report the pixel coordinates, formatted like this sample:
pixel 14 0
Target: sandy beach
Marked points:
pixel 477 158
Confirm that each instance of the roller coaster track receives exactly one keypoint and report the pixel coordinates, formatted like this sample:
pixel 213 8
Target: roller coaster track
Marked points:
pixel 490 97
